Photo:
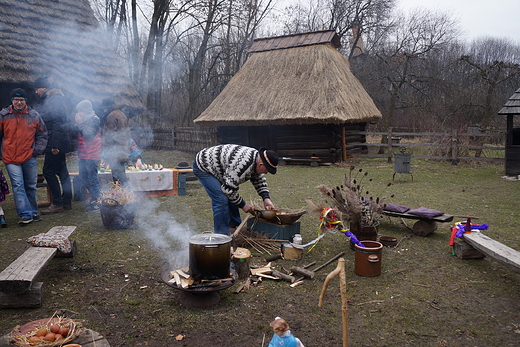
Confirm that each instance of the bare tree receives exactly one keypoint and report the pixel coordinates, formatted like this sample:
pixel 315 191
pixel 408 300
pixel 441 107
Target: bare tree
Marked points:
pixel 494 62
pixel 413 39
pixel 358 18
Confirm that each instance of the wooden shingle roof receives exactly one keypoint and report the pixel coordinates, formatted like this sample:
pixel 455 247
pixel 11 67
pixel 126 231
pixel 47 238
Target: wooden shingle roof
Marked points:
pixel 512 106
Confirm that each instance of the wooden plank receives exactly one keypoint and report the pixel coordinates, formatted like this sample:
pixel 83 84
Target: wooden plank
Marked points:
pixel 444 218
pixel 18 276
pixel 494 249
pixel 66 231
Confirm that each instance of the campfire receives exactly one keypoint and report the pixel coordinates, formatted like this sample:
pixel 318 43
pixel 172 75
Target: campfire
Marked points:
pixel 181 278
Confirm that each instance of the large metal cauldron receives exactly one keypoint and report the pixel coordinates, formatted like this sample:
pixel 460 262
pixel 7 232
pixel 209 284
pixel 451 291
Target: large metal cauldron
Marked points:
pixel 210 256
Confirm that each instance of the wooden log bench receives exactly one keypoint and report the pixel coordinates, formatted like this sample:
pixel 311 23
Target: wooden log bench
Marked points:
pixel 424 226
pixel 495 250
pixel 17 282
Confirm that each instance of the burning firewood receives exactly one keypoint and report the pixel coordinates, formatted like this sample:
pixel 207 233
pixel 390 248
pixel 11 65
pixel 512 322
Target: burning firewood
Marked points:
pixel 181 278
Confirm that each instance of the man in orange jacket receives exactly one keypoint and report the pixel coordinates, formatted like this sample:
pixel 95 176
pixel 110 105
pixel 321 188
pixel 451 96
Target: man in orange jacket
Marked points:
pixel 24 136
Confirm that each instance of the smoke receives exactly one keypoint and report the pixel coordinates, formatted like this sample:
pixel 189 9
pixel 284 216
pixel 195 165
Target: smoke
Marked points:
pixel 169 237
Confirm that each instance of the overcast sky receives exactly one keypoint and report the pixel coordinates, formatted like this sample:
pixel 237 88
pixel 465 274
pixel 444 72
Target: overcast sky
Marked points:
pixel 477 18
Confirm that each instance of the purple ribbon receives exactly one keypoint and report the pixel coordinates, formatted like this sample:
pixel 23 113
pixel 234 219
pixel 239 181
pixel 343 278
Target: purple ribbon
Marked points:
pixel 353 238
pixel 461 228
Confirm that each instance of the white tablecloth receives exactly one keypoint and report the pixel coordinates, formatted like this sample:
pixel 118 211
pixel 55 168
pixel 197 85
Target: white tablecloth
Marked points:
pixel 144 181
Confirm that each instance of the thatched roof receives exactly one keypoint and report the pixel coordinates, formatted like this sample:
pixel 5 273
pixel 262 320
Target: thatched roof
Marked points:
pixel 512 106
pixel 61 39
pixel 307 83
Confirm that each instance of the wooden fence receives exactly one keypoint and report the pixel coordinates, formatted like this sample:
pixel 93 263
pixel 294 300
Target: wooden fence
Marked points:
pixel 454 146
pixel 186 139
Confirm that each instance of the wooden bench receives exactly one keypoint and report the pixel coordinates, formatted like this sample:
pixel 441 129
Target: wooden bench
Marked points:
pixel 48 201
pixel 17 282
pixel 494 249
pixel 424 226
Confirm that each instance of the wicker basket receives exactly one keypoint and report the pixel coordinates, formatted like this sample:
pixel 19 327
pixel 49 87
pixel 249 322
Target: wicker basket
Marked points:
pixel 116 216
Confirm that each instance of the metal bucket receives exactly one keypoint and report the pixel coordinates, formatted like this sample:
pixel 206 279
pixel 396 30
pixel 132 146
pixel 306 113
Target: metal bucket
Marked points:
pixel 367 261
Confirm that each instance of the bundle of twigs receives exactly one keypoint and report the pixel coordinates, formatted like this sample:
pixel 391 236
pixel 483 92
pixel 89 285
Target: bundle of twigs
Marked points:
pixel 353 200
pixel 260 242
pixel 117 194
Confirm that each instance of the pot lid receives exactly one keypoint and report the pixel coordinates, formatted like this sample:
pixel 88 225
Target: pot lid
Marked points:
pixel 209 239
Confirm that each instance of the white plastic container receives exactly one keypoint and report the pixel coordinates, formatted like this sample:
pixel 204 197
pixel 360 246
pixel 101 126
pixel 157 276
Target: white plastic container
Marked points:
pixel 297 239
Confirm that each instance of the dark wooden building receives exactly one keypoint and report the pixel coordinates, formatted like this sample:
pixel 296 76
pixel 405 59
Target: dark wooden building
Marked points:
pixel 296 95
pixel 61 40
pixel 511 109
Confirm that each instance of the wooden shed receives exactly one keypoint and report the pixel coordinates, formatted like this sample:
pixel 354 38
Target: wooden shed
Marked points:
pixel 510 110
pixel 296 95
pixel 63 41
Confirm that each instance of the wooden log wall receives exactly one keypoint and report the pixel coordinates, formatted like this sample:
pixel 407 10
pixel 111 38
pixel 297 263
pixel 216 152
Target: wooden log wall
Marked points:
pixel 322 143
pixel 318 143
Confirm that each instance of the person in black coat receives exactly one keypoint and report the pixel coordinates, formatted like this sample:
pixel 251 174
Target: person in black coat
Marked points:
pixel 54 115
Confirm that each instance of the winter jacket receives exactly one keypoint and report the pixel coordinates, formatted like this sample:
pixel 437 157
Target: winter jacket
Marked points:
pixel 54 115
pixel 89 138
pixel 116 136
pixel 286 340
pixel 232 165
pixel 23 135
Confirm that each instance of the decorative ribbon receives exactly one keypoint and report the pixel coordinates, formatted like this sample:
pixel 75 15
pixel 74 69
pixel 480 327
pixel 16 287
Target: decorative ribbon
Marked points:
pixel 329 222
pixel 460 228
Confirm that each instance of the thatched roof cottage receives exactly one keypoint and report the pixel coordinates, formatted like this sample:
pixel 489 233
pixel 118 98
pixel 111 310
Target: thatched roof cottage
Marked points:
pixel 297 95
pixel 61 40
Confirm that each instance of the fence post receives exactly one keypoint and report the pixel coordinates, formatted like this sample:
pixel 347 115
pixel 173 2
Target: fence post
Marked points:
pixel 174 138
pixel 454 148
pixel 389 140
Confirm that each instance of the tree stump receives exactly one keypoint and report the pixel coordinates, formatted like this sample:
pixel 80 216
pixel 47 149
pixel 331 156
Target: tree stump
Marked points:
pixel 424 227
pixel 241 259
pixel 464 250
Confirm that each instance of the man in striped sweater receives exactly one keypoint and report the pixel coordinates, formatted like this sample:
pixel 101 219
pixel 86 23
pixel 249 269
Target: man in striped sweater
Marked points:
pixel 221 169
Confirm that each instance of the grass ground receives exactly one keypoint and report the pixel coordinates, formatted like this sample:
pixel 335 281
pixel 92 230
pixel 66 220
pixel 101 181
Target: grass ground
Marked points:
pixel 425 296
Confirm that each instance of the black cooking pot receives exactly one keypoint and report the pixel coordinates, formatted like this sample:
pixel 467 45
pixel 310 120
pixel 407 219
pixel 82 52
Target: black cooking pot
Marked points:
pixel 210 256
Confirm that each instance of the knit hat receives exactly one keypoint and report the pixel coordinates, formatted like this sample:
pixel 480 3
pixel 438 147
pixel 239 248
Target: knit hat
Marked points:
pixel 85 106
pixel 269 158
pixel 107 103
pixel 41 82
pixel 18 93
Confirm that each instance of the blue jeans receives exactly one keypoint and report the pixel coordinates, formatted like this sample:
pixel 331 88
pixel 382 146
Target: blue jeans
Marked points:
pixel 225 214
pixel 55 166
pixel 23 182
pixel 88 177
